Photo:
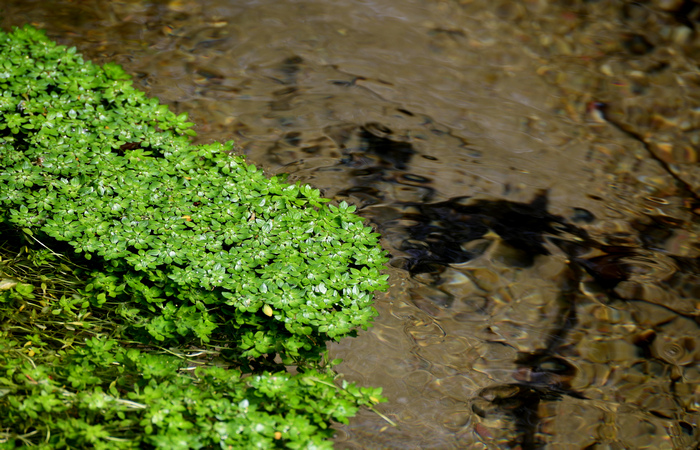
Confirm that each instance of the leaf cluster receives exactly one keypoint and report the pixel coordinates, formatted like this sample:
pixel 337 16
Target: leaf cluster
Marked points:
pixel 200 243
pixel 68 379
pixel 198 277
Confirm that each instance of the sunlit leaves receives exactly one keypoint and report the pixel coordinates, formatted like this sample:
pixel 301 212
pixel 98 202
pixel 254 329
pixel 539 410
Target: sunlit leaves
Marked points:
pixel 105 395
pixel 87 159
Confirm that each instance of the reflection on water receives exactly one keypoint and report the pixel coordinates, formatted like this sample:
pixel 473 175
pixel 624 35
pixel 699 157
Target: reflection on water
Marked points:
pixel 532 167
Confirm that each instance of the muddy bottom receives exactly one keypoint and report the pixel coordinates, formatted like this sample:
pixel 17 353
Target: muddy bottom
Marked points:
pixel 531 165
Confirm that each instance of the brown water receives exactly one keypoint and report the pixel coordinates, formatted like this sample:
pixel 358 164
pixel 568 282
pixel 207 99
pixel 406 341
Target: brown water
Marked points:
pixel 531 164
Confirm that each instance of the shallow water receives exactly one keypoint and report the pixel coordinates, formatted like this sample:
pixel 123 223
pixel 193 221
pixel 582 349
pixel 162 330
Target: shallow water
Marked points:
pixel 531 166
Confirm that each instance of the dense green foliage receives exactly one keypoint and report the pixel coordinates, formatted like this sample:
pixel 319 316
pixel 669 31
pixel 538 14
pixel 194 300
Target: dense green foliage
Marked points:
pixel 180 247
pixel 69 379
pixel 201 243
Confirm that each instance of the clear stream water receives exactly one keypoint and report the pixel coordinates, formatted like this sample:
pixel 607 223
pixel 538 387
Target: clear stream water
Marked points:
pixel 531 165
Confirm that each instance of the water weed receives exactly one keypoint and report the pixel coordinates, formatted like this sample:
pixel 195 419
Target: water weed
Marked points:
pixel 153 290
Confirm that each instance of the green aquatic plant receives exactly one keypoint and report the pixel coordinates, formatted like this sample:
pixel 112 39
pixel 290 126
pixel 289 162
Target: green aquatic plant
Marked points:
pixel 70 378
pixel 198 242
pixel 155 289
